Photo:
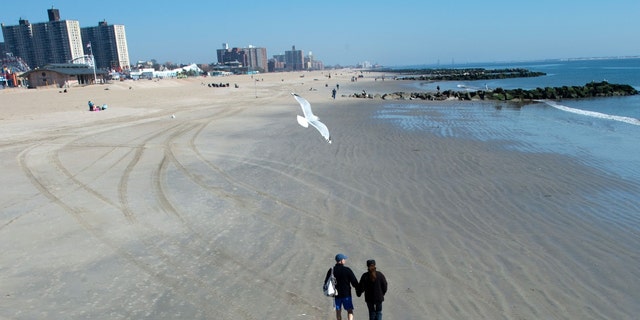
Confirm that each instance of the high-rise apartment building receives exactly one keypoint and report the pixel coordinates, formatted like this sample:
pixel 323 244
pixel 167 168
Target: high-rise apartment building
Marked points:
pixel 62 41
pixel 254 58
pixel 226 56
pixel 38 44
pixel 294 59
pixel 108 44
pixel 257 58
pixel 18 40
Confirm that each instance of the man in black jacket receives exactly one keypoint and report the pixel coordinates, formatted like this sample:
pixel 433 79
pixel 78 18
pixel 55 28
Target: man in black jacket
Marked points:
pixel 344 280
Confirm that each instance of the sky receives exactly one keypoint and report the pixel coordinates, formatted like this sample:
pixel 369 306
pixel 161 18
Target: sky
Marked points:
pixel 389 33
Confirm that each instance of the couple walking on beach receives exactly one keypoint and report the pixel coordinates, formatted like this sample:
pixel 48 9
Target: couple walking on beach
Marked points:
pixel 372 283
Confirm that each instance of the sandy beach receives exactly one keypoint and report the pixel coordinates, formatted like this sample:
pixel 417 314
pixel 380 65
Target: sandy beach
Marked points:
pixel 231 210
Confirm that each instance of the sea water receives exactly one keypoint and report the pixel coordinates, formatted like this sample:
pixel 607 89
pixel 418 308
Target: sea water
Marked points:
pixel 603 133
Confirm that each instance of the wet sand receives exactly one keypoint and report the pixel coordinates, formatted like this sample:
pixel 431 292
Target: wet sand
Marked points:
pixel 231 210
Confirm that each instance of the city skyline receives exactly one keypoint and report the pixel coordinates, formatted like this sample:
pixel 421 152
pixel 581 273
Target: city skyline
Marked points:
pixel 387 33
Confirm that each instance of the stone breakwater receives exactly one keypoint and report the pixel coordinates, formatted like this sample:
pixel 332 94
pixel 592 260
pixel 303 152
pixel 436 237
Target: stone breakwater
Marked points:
pixel 589 90
pixel 467 74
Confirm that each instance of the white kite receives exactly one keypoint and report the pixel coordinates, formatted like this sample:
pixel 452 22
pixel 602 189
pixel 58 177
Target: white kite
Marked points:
pixel 310 118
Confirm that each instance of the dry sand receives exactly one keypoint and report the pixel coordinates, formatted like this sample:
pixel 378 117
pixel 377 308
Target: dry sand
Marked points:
pixel 231 210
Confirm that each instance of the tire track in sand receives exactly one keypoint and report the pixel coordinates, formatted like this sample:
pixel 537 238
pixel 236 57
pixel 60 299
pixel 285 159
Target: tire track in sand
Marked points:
pixel 82 216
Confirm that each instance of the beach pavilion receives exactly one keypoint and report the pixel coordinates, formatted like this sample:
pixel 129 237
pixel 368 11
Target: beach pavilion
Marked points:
pixel 63 75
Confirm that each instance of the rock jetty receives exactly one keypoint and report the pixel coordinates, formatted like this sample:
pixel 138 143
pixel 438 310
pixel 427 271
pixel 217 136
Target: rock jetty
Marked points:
pixel 468 74
pixel 589 90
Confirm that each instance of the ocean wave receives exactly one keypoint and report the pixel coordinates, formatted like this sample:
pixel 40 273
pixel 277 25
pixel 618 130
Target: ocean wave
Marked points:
pixel 593 114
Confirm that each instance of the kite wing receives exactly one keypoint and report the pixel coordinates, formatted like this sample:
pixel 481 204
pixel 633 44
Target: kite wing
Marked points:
pixel 303 121
pixel 306 107
pixel 324 131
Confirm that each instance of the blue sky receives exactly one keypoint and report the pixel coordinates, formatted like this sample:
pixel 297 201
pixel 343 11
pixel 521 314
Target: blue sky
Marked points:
pixel 391 33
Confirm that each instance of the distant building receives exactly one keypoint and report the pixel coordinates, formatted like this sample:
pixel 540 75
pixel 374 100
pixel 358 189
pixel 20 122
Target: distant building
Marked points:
pixel 279 58
pixel 62 75
pixel 63 41
pixel 294 59
pixel 108 44
pixel 308 60
pixel 317 65
pixel 150 73
pixel 312 64
pixel 38 44
pixel 276 64
pixel 257 59
pixel 252 58
pixel 365 65
pixel 235 55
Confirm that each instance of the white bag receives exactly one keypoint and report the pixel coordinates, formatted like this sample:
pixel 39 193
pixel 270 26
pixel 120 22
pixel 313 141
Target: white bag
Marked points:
pixel 329 287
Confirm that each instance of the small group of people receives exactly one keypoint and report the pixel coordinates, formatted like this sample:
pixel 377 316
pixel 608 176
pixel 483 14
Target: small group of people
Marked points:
pixel 93 107
pixel 218 85
pixel 372 283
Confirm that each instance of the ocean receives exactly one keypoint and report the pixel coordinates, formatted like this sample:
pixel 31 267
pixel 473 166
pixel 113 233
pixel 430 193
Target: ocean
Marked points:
pixel 601 133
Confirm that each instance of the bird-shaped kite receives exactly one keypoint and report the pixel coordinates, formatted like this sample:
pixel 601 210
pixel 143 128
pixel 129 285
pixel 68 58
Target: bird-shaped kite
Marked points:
pixel 310 118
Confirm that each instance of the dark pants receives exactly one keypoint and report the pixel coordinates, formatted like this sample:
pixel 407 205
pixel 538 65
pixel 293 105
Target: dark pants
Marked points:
pixel 375 310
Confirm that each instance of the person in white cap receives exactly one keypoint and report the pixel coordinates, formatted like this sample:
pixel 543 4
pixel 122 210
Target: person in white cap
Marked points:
pixel 344 280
